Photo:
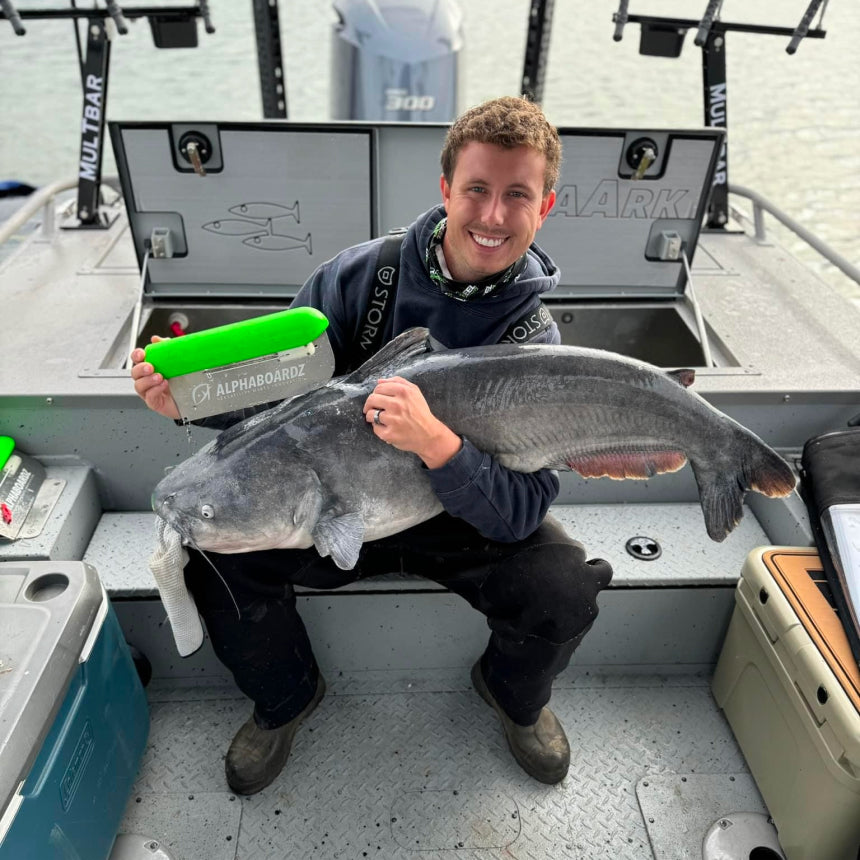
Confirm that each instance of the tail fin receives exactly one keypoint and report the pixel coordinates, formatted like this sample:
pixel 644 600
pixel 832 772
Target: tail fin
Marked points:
pixel 721 492
pixel 767 473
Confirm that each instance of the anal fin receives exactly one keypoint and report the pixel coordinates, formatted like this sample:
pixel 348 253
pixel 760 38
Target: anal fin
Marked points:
pixel 626 464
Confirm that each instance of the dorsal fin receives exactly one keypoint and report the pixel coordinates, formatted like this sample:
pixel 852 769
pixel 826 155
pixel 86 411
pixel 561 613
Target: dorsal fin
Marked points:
pixel 685 377
pixel 412 342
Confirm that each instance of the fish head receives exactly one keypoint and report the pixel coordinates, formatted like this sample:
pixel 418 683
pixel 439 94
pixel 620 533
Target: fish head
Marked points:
pixel 238 502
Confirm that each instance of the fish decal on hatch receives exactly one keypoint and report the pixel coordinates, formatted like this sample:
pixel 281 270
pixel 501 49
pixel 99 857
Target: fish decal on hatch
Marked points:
pixel 267 211
pixel 275 242
pixel 264 224
pixel 237 227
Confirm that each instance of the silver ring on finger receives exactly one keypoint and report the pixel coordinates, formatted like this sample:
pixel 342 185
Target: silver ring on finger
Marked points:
pixel 376 414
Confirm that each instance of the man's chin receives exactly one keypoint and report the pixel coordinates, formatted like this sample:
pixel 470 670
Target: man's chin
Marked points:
pixel 488 265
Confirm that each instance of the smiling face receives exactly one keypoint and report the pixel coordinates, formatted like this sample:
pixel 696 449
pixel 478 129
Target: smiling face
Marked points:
pixel 495 204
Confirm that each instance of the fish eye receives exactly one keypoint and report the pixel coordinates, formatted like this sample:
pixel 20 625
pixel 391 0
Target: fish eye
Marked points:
pixel 207 511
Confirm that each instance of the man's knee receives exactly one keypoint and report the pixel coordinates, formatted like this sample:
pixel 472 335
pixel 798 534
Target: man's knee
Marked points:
pixel 569 585
pixel 556 589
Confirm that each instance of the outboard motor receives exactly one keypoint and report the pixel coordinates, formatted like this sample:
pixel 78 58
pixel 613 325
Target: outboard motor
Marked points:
pixel 396 60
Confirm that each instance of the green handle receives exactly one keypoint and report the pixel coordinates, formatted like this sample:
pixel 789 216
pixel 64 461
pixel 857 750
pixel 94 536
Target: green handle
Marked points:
pixel 234 342
pixel 7 445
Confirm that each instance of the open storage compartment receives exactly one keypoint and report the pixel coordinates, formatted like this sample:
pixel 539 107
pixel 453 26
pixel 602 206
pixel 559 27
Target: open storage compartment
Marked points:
pixel 278 199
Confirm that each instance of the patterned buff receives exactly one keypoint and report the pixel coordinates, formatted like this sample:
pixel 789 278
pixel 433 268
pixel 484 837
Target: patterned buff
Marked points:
pixel 435 262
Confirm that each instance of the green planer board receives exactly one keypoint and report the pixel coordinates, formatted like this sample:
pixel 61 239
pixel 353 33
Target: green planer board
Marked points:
pixel 236 342
pixel 246 363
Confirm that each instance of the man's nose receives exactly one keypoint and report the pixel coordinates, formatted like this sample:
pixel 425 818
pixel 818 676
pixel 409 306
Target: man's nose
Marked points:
pixel 494 210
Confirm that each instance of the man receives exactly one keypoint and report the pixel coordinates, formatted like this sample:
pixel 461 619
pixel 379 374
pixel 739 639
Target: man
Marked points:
pixel 468 272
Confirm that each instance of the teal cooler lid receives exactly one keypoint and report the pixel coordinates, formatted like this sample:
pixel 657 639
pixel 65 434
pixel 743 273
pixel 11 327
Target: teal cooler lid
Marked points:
pixel 50 614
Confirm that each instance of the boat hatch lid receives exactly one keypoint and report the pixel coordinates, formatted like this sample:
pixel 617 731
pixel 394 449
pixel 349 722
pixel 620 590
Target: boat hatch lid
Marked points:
pixel 272 200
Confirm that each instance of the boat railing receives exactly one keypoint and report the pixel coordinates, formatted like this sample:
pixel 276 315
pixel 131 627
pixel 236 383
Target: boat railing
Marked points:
pixel 41 198
pixel 762 204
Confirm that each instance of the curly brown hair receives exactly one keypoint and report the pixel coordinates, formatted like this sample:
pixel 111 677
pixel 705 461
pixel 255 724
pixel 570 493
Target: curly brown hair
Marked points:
pixel 509 121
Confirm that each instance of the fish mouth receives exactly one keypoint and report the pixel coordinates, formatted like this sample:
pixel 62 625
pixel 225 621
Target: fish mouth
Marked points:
pixel 179 523
pixel 161 506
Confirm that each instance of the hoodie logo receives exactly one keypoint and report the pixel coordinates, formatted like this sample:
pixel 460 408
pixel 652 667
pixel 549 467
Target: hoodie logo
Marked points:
pixel 528 326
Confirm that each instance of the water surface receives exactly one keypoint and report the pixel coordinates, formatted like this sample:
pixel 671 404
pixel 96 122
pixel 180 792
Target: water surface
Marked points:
pixel 794 121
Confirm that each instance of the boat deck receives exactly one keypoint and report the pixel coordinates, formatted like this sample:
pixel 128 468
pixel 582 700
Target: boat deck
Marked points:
pixel 406 764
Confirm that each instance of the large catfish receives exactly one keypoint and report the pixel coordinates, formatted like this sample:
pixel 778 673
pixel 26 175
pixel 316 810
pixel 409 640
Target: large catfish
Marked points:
pixel 310 471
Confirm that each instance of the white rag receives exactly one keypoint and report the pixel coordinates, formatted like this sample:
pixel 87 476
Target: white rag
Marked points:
pixel 166 565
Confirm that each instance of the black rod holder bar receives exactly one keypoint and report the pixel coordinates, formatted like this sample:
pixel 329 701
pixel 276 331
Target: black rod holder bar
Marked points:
pixel 711 39
pixel 537 48
pixel 707 22
pixel 95 74
pixel 116 13
pixel 130 12
pixel 716 116
pixel 14 18
pixel 273 85
pixel 620 19
pixel 207 17
pixel 721 26
pixel 802 29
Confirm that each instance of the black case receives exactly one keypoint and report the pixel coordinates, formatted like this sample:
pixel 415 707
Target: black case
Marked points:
pixel 830 475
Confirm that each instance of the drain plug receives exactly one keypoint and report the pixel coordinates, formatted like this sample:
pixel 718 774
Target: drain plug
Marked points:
pixel 643 548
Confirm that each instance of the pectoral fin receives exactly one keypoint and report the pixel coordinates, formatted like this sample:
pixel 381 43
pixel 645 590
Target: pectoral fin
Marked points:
pixel 340 537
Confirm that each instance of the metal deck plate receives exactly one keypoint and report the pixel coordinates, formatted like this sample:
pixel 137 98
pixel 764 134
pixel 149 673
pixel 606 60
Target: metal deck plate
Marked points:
pixel 196 824
pixel 376 768
pixel 679 809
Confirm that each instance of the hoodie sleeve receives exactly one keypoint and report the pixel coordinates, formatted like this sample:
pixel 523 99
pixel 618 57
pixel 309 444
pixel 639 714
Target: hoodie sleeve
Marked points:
pixel 503 505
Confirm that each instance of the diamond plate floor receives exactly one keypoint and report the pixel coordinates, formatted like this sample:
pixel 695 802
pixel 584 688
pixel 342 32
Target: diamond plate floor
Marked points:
pixel 395 766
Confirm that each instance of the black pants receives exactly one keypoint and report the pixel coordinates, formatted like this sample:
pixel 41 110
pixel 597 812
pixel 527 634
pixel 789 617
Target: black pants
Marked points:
pixel 539 596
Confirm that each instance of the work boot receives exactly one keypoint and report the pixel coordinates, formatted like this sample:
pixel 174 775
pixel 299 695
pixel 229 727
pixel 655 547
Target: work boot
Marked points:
pixel 541 749
pixel 257 755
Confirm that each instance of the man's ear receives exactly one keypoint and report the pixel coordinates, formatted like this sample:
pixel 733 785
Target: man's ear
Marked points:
pixel 445 188
pixel 546 205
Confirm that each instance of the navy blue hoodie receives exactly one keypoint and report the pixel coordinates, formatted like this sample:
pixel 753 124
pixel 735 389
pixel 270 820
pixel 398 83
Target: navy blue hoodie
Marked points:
pixel 501 504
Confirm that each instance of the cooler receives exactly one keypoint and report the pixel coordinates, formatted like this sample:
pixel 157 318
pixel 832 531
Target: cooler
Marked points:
pixel 73 714
pixel 790 689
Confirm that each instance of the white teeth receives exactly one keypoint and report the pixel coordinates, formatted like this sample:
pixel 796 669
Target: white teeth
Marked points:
pixel 486 241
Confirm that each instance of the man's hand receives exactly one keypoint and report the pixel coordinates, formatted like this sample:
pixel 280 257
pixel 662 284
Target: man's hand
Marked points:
pixel 406 422
pixel 152 387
